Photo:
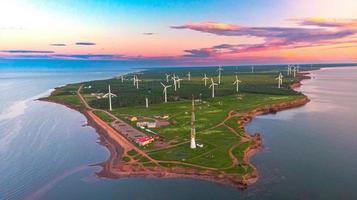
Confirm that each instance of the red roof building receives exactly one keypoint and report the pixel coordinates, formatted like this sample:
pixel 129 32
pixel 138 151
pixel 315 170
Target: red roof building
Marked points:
pixel 142 141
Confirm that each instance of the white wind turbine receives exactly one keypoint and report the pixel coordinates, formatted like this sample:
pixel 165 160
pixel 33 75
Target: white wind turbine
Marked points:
pixel 178 79
pixel 167 77
pixel 137 80
pixel 280 80
pixel 213 84
pixel 121 78
pixel 236 82
pixel 205 78
pixel 134 80
pixel 289 70
pixel 219 70
pixel 174 78
pixel 146 102
pixel 189 76
pixel 294 71
pixel 165 91
pixel 252 69
pixel 109 95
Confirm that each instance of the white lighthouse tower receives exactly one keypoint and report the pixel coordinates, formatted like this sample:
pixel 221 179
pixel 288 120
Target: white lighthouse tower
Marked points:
pixel 193 128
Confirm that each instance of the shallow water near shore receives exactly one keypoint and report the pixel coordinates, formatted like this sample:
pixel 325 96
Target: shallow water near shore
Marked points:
pixel 46 152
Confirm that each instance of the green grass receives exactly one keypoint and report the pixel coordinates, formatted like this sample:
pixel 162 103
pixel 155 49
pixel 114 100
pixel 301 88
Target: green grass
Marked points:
pixel 126 159
pixel 104 116
pixel 67 99
pixel 132 152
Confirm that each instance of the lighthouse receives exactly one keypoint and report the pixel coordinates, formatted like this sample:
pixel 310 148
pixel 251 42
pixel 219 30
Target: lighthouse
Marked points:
pixel 193 128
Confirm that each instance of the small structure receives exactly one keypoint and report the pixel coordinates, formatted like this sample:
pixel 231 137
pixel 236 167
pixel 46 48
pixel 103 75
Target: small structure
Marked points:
pixel 133 119
pixel 145 140
pixel 146 124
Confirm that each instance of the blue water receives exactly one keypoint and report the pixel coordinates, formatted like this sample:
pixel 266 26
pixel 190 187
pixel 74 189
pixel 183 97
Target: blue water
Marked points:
pixel 46 152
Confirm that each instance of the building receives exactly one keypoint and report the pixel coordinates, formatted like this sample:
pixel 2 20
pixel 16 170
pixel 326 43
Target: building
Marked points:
pixel 146 124
pixel 133 119
pixel 151 124
pixel 145 140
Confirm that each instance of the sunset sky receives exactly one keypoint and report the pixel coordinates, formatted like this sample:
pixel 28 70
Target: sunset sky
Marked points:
pixel 182 32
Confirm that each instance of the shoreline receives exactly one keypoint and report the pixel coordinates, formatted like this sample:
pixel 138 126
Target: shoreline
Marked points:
pixel 114 167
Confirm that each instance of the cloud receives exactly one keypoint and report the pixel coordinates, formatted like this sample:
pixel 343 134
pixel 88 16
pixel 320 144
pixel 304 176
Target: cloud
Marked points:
pixel 85 43
pixel 58 44
pixel 200 53
pixel 26 51
pixel 149 33
pixel 89 56
pixel 323 33
pixel 321 22
pixel 281 34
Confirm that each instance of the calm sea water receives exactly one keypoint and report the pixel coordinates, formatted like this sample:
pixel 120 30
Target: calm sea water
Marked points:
pixel 46 153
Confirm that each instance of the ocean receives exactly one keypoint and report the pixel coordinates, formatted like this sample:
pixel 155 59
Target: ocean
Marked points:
pixel 48 152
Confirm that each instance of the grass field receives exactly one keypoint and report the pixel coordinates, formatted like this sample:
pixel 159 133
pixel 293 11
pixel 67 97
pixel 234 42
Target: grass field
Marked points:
pixel 220 135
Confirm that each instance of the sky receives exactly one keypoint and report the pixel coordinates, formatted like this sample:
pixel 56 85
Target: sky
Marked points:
pixel 173 32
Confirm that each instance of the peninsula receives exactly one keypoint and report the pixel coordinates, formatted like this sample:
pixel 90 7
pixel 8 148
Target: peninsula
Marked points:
pixel 183 122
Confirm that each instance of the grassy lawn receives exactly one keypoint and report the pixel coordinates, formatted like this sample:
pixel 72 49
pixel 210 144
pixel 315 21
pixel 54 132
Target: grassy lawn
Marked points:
pixel 67 99
pixel 104 116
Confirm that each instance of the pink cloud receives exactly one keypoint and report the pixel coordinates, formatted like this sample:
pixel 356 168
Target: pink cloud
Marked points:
pixel 323 33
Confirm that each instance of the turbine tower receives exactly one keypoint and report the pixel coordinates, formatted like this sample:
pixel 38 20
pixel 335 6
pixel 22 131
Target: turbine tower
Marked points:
pixel 134 80
pixel 252 69
pixel 167 77
pixel 165 91
pixel 289 70
pixel 175 82
pixel 137 82
pixel 109 95
pixel 212 86
pixel 193 127
pixel 146 102
pixel 205 78
pixel 219 70
pixel 178 79
pixel 122 78
pixel 189 76
pixel 236 82
pixel 280 80
pixel 294 71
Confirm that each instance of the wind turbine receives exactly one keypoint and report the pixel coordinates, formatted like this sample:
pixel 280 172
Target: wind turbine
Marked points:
pixel 121 78
pixel 109 95
pixel 167 77
pixel 205 78
pixel 178 79
pixel 212 86
pixel 193 126
pixel 252 69
pixel 280 80
pixel 289 70
pixel 165 91
pixel 134 80
pixel 219 70
pixel 137 82
pixel 236 82
pixel 294 71
pixel 175 82
pixel 189 76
